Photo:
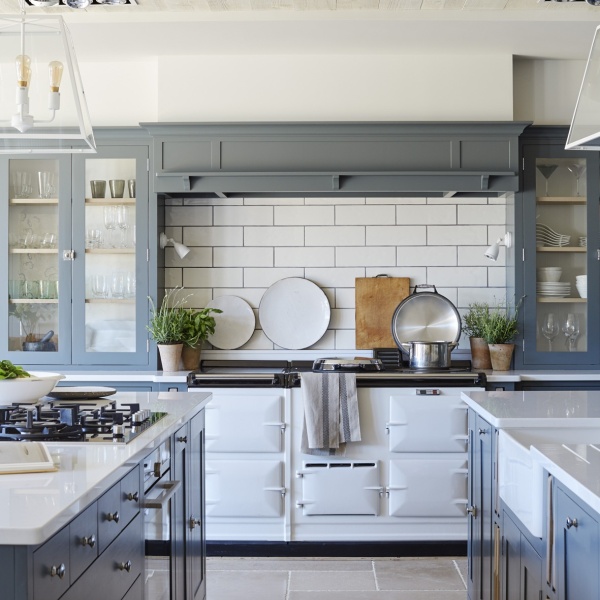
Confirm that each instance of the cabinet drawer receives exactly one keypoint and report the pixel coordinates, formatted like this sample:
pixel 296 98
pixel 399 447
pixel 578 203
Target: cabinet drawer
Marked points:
pixel 83 532
pixel 51 567
pixel 136 591
pixel 110 523
pixel 130 495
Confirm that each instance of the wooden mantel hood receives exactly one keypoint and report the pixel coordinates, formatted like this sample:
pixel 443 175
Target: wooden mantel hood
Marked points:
pixel 335 159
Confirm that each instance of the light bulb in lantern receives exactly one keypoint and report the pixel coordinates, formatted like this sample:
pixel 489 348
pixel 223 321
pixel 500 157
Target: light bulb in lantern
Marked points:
pixel 23 64
pixel 55 71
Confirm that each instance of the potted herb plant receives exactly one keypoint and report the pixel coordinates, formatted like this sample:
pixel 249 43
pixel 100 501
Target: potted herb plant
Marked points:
pixel 166 327
pixel 473 325
pixel 198 325
pixel 499 331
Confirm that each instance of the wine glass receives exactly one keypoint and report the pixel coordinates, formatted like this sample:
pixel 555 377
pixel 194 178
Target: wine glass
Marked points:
pixel 123 222
pixel 546 171
pixel 550 329
pixel 578 170
pixel 571 330
pixel 110 223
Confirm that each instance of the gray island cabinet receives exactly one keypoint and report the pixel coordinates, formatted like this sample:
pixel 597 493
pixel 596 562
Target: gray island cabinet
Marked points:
pixel 79 532
pixel 534 495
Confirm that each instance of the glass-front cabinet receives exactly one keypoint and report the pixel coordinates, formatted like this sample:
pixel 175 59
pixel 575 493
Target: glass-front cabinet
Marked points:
pixel 559 231
pixel 77 258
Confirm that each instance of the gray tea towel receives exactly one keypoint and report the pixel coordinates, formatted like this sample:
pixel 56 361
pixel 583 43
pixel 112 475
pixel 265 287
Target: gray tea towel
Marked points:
pixel 330 413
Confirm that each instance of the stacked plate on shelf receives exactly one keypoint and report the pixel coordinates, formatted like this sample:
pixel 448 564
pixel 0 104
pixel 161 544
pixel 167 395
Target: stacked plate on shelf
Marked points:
pixel 581 285
pixel 583 241
pixel 546 236
pixel 558 289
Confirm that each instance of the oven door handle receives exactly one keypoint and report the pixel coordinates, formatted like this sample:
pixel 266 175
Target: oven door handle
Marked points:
pixel 168 490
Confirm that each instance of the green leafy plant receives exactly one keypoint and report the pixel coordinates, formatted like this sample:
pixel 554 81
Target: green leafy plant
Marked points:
pixel 475 319
pixel 501 325
pixel 167 322
pixel 198 325
pixel 10 371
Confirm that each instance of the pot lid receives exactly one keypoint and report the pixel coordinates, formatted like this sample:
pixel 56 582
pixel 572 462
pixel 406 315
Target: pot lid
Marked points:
pixel 358 363
pixel 425 317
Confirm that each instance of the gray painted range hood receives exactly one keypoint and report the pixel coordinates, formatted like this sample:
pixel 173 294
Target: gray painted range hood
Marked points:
pixel 208 160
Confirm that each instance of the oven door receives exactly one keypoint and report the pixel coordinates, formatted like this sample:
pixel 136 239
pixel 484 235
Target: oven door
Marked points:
pixel 159 490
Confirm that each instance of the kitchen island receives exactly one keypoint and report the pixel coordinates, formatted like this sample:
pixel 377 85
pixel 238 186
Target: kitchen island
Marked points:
pixel 79 531
pixel 534 495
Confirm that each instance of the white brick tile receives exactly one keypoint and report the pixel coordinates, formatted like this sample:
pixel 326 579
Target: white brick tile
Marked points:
pixel 345 298
pixel 273 236
pixel 440 235
pixel 365 215
pixel 415 274
pixel 370 256
pixel 258 341
pixel 396 201
pixel 333 201
pixel 335 236
pixel 304 215
pixel 345 339
pixel 174 232
pixel 173 277
pixel 485 215
pixel 427 256
pixel 396 235
pixel 197 257
pixel 213 201
pixel 340 277
pixel 243 257
pixel 426 215
pixel 198 297
pixel 213 236
pixel 264 278
pixel 327 342
pixel 273 201
pixel 188 215
pixel 496 277
pixel 305 257
pixel 450 293
pixel 454 200
pixel 501 199
pixel 496 232
pixel 330 293
pixel 468 296
pixel 458 276
pixel 342 318
pixel 475 256
pixel 251 295
pixel 243 215
pixel 212 278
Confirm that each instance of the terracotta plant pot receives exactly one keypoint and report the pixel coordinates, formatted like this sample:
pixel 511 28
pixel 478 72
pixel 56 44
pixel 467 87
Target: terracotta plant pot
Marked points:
pixel 480 354
pixel 191 357
pixel 501 356
pixel 170 356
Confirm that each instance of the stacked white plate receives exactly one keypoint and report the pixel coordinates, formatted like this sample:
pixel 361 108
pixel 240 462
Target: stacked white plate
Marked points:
pixel 582 241
pixel 558 289
pixel 581 285
pixel 548 237
pixel 549 273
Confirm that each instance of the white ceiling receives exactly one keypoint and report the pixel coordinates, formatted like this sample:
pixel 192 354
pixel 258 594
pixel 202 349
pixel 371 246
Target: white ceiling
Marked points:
pixel 177 27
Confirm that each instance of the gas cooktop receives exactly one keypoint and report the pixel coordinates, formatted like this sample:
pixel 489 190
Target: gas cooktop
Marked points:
pixel 59 421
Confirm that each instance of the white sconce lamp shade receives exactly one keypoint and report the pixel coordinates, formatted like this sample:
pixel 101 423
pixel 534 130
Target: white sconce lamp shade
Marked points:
pixel 584 133
pixel 181 249
pixel 494 250
pixel 42 103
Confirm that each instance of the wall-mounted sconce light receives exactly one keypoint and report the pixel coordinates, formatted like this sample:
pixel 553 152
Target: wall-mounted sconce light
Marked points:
pixel 493 251
pixel 181 249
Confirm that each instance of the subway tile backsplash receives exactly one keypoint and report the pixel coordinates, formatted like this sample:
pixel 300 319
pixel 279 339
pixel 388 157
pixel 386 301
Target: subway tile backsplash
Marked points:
pixel 241 248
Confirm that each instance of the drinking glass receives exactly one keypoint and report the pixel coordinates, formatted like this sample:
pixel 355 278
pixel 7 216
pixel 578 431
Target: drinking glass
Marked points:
pixel 45 184
pixel 546 171
pixel 110 223
pixel 550 329
pixel 117 286
pixel 123 222
pixel 45 289
pixel 49 240
pixel 131 187
pixel 94 237
pixel 99 286
pixel 571 330
pixel 117 187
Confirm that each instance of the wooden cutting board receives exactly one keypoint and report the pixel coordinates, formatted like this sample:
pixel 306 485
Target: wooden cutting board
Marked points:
pixel 376 301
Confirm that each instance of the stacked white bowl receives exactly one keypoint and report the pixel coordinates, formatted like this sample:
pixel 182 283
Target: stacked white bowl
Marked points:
pixel 581 284
pixel 549 273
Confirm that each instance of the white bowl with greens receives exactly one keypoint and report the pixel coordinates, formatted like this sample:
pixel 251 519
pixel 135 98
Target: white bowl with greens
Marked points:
pixel 18 386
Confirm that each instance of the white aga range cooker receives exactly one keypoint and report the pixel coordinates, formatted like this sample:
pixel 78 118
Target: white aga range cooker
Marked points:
pixel 406 480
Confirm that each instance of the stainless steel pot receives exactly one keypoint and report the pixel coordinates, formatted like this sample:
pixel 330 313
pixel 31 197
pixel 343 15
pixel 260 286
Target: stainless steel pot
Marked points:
pixel 428 355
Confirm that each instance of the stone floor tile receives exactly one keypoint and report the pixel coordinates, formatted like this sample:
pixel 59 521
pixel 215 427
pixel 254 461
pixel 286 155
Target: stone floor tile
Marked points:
pixel 385 595
pixel 332 581
pixel 288 564
pixel 463 568
pixel 418 574
pixel 246 585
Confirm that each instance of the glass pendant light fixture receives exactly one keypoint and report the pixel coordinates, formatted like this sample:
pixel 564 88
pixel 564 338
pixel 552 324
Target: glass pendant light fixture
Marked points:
pixel 49 113
pixel 584 133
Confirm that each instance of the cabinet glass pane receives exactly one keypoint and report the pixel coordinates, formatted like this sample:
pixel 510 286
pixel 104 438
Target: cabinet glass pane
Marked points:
pixel 561 255
pixel 110 267
pixel 33 256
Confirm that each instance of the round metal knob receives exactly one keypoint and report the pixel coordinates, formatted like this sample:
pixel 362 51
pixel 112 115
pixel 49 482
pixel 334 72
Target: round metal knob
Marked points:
pixel 571 523
pixel 194 522
pixel 58 571
pixel 113 517
pixel 482 431
pixel 472 510
pixel 89 541
pixel 126 566
pixel 133 497
pixel 182 439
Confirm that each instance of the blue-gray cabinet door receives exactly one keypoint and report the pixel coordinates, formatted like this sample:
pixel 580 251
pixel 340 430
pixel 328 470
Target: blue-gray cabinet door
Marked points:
pixel 111 268
pixel 559 234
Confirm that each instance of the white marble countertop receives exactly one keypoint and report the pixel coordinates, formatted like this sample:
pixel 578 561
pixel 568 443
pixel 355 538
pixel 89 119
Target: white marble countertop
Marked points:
pixel 124 376
pixel 36 505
